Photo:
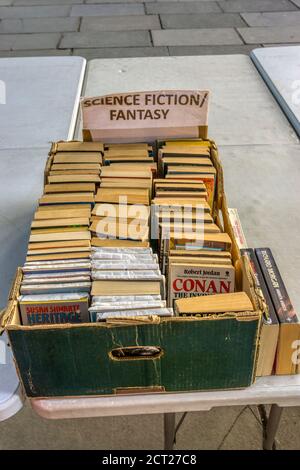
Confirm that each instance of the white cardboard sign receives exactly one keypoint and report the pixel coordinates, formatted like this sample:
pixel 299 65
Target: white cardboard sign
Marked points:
pixel 146 114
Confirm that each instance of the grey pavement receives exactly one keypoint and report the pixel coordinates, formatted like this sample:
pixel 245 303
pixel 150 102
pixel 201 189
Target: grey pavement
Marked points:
pixel 238 428
pixel 141 28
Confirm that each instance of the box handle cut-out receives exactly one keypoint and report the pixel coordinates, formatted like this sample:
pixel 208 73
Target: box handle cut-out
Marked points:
pixel 135 352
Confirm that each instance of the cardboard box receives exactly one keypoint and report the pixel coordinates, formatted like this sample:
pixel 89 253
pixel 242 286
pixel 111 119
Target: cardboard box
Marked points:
pixel 183 354
pixel 131 355
pixel 192 354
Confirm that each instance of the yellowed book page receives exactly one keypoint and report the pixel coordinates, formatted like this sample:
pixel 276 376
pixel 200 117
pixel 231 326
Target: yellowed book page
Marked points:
pixel 221 303
pixel 60 222
pixel 125 287
pixel 66 188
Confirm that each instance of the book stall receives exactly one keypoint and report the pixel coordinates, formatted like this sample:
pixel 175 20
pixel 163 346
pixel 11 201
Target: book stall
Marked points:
pixel 135 278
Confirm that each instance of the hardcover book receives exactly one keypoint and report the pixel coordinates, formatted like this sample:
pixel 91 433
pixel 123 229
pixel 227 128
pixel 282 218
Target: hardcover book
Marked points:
pixel 289 331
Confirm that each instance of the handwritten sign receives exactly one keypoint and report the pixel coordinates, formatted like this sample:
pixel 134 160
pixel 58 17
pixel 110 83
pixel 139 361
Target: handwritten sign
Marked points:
pixel 128 113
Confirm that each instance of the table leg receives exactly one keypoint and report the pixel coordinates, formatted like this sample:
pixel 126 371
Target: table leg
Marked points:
pixel 272 426
pixel 169 430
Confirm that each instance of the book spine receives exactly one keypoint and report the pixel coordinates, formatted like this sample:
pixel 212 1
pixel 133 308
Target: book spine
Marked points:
pixel 270 316
pixel 192 281
pixel 200 244
pixel 211 189
pixel 279 295
pixel 237 228
pixel 268 341
pixel 289 332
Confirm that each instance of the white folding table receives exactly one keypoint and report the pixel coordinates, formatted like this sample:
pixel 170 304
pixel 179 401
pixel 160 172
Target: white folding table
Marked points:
pixel 39 98
pixel 11 394
pixel 261 157
pixel 242 111
pixel 280 68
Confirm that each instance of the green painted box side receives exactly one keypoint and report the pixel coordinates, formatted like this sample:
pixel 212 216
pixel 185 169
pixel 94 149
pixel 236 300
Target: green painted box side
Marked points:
pixel 196 355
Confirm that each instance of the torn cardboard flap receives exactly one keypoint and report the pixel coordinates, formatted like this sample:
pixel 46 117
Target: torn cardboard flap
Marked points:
pixel 155 319
pixel 6 315
pixel 256 294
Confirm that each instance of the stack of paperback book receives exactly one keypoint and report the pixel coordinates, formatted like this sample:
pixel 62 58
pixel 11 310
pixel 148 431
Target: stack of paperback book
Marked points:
pixel 104 213
pixel 188 161
pixel 57 273
pixel 127 281
pixel 280 331
pixel 195 251
pixel 122 210
pixel 130 157
pixel 72 172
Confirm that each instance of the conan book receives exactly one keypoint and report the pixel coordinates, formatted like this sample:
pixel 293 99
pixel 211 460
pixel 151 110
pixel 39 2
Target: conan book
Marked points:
pixel 199 279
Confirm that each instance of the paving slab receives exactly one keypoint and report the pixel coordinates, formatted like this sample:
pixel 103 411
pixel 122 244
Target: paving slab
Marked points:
pixel 172 1
pixel 289 430
pixel 195 37
pixel 205 20
pixel 38 25
pixel 119 23
pixel 244 433
pixel 116 1
pixel 37 53
pixel 35 11
pixel 106 39
pixel 119 52
pixel 281 45
pixel 237 89
pixel 29 41
pixel 210 50
pixel 182 7
pixel 46 2
pixel 283 18
pixel 202 430
pixel 108 9
pixel 265 223
pixel 135 432
pixel 240 6
pixel 212 427
pixel 272 34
